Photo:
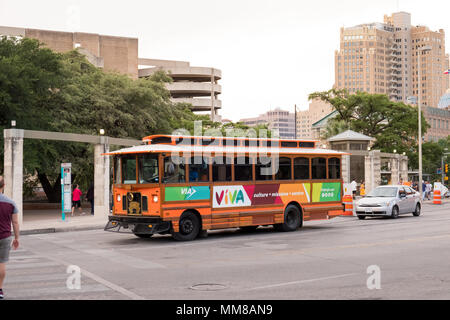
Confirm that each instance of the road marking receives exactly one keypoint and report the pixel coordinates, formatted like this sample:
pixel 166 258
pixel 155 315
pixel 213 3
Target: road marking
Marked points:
pixel 39 292
pixel 303 281
pixel 36 277
pixel 117 257
pixel 32 265
pixel 96 278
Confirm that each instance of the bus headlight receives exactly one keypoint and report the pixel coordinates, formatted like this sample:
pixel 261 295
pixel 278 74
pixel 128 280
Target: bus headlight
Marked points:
pixel 155 199
pixel 118 198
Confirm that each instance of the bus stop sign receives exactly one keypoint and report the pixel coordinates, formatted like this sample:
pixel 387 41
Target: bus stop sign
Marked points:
pixel 66 189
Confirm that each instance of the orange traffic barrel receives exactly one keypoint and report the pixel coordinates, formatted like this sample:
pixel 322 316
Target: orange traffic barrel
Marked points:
pixel 347 200
pixel 437 196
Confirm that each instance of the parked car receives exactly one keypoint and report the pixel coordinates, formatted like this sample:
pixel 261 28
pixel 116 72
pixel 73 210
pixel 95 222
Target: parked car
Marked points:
pixel 391 201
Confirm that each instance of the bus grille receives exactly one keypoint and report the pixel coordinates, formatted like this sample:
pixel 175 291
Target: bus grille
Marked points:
pixel 134 203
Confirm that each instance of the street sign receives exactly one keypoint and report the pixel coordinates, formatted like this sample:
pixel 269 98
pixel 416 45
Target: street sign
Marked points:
pixel 66 189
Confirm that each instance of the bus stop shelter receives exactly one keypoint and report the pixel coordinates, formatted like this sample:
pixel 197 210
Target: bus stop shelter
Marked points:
pixel 13 163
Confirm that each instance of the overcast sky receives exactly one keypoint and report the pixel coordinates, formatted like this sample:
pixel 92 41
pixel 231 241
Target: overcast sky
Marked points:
pixel 272 53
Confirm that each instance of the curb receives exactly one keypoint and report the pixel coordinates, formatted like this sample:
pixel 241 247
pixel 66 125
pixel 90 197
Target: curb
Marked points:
pixel 67 229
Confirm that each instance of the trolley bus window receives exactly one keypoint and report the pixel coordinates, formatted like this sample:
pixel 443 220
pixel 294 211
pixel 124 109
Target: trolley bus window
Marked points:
pixel 243 169
pixel 334 168
pixel 263 169
pixel 319 168
pixel 129 169
pixel 301 168
pixel 118 172
pixel 148 168
pixel 284 169
pixel 221 169
pixel 174 170
pixel 198 169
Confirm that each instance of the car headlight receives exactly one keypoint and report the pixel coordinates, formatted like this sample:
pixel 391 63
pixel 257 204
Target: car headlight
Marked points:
pixel 118 198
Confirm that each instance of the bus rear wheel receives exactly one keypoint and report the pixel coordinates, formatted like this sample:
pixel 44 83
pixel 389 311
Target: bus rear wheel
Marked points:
pixel 188 227
pixel 292 219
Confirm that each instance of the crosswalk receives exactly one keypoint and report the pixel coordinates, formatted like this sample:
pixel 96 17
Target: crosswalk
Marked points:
pixel 33 277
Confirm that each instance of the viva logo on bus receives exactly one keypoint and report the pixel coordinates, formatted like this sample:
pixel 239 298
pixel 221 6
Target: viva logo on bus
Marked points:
pixel 264 194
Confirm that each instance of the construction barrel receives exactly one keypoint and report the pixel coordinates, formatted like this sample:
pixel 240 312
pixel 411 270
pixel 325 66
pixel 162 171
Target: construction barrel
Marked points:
pixel 347 200
pixel 437 196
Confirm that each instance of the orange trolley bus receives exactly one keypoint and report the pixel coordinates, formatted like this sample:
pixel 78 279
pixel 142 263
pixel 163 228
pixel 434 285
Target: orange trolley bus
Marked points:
pixel 186 185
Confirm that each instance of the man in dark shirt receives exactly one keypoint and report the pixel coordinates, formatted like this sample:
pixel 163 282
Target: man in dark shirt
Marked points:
pixel 8 215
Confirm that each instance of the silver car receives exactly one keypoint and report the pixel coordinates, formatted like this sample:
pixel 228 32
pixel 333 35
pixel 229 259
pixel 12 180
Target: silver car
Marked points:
pixel 390 201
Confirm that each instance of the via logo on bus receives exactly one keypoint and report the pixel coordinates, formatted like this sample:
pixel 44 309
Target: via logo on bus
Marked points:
pixel 230 196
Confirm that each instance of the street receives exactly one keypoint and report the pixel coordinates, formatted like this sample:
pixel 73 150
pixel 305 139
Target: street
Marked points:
pixel 323 260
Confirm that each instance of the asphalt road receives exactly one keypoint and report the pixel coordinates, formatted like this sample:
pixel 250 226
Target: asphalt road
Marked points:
pixel 323 260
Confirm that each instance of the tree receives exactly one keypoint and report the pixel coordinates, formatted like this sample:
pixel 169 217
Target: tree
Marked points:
pixel 394 125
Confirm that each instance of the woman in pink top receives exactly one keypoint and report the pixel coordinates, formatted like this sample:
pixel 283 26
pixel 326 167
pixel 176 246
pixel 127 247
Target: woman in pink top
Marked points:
pixel 76 199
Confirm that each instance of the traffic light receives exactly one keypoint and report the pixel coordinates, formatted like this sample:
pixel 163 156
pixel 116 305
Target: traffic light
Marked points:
pixel 446 168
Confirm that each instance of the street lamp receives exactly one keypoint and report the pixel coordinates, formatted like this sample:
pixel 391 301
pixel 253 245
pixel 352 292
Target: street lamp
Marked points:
pixel 419 63
pixel 102 132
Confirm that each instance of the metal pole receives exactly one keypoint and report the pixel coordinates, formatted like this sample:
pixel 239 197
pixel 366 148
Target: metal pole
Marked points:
pixel 420 124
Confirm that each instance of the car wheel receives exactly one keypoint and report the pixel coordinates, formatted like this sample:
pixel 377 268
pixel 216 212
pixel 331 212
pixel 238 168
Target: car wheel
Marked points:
pixel 188 227
pixel 361 217
pixel 292 219
pixel 416 213
pixel 394 214
pixel 143 235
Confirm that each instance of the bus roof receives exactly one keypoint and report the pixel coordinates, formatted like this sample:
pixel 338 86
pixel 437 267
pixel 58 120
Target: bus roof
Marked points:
pixel 196 149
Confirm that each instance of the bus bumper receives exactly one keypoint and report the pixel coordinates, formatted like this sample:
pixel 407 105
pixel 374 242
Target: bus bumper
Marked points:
pixel 140 225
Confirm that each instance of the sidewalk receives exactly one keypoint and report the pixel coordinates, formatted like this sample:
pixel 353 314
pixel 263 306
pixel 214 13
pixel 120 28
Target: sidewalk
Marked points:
pixel 48 221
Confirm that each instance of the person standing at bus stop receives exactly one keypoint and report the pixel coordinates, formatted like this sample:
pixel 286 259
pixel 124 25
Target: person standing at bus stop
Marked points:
pixel 8 216
pixel 76 199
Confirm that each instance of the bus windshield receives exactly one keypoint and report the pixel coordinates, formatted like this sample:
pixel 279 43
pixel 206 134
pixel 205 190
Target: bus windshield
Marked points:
pixel 148 168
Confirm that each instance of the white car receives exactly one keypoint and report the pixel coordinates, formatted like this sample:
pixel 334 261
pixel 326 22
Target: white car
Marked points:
pixel 391 201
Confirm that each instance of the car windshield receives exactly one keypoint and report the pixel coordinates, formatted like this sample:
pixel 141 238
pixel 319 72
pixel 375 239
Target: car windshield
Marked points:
pixel 383 192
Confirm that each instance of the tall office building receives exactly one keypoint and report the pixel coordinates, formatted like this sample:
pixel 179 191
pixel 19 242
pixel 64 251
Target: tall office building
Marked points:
pixel 280 121
pixel 383 58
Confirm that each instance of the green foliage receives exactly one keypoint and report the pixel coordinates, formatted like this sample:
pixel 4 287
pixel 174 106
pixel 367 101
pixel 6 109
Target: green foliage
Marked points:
pixel 394 125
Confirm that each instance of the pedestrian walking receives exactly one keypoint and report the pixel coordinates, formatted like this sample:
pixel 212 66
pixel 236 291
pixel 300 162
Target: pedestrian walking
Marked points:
pixel 429 187
pixel 424 189
pixel 76 199
pixel 362 189
pixel 90 197
pixel 353 185
pixel 8 216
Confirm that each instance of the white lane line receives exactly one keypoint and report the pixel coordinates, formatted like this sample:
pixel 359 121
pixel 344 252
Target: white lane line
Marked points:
pixel 303 281
pixel 32 265
pixel 100 280
pixel 40 292
pixel 127 260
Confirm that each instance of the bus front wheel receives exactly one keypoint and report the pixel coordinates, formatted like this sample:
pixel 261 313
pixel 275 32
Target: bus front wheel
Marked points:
pixel 188 227
pixel 292 219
